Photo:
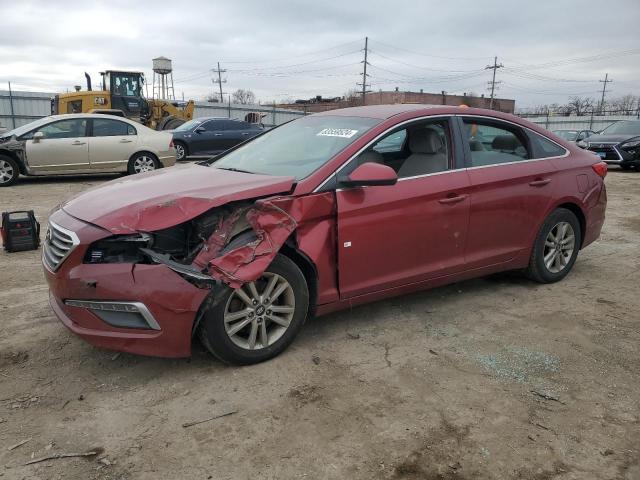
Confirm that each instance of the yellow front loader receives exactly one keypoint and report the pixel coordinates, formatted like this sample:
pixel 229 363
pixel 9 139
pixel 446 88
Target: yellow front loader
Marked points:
pixel 121 94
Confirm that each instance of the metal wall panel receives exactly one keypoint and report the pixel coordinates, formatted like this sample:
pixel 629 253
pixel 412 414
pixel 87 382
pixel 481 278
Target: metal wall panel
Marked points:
pixel 27 107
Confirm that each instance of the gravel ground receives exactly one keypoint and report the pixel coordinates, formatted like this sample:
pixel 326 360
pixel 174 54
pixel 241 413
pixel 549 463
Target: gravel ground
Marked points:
pixel 494 378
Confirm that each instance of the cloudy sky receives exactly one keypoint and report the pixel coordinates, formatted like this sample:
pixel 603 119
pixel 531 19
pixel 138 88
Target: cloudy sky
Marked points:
pixel 550 49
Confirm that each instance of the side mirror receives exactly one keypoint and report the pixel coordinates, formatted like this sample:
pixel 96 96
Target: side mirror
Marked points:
pixel 200 130
pixel 37 137
pixel 370 174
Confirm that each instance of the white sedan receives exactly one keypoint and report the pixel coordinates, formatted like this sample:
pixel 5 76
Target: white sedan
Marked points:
pixel 82 143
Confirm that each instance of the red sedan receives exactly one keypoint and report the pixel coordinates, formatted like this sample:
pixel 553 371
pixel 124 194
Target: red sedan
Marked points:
pixel 323 213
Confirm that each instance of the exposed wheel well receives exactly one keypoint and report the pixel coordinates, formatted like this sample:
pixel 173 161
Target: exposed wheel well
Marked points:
pixel 309 271
pixel 577 211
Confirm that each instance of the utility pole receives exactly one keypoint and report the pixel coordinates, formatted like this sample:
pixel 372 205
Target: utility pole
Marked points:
pixel 604 89
pixel 364 72
pixel 219 81
pixel 493 82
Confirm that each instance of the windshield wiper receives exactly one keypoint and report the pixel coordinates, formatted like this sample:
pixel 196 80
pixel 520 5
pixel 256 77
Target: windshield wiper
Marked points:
pixel 233 169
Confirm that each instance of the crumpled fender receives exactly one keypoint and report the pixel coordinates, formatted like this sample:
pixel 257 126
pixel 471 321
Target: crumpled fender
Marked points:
pixel 273 220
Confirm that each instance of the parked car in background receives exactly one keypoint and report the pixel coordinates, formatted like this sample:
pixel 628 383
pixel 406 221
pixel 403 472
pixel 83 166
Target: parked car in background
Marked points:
pixel 574 135
pixel 212 135
pixel 82 143
pixel 329 211
pixel 618 144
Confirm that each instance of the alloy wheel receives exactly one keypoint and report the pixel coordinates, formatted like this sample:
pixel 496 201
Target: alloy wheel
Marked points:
pixel 143 163
pixel 259 313
pixel 558 247
pixel 6 171
pixel 179 152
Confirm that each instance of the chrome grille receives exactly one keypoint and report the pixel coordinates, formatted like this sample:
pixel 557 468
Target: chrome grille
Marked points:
pixel 58 244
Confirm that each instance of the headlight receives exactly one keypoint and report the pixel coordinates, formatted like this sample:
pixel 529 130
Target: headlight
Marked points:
pixel 118 249
pixel 583 144
pixel 631 144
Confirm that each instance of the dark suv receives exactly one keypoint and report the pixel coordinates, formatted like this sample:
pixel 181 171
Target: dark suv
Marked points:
pixel 210 136
pixel 618 144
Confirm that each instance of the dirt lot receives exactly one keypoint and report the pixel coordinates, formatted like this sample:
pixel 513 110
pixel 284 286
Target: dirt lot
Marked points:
pixel 491 378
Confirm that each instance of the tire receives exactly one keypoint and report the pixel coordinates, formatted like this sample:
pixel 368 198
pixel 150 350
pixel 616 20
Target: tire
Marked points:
pixel 173 124
pixel 230 341
pixel 182 150
pixel 142 162
pixel 9 171
pixel 552 259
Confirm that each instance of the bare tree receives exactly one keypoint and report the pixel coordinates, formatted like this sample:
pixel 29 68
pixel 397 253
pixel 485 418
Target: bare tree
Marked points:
pixel 244 96
pixel 352 97
pixel 580 105
pixel 625 104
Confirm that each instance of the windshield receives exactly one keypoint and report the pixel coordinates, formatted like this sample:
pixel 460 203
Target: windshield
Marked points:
pixel 623 128
pixel 188 125
pixel 297 148
pixel 570 135
pixel 25 128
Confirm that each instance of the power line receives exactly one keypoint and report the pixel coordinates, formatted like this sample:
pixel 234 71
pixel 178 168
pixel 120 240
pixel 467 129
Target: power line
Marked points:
pixel 428 55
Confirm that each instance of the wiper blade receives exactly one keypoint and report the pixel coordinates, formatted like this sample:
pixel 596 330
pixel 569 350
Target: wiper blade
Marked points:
pixel 233 169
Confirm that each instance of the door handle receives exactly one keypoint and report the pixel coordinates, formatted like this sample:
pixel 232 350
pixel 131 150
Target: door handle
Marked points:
pixel 217 134
pixel 124 140
pixel 452 199
pixel 78 143
pixel 540 182
pixel 245 133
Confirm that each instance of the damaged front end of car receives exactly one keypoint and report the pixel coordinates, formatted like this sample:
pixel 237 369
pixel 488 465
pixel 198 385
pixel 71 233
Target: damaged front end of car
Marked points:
pixel 231 245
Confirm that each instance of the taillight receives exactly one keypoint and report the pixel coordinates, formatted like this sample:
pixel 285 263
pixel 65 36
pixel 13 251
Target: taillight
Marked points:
pixel 600 168
pixel 171 143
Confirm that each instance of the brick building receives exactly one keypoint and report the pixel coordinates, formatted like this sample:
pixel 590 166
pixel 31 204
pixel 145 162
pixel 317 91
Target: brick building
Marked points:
pixel 391 97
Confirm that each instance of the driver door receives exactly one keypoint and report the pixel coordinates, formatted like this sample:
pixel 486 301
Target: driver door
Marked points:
pixel 64 146
pixel 389 236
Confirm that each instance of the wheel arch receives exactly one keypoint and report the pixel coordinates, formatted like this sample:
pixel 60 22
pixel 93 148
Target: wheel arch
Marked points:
pixel 308 269
pixel 148 152
pixel 12 154
pixel 577 211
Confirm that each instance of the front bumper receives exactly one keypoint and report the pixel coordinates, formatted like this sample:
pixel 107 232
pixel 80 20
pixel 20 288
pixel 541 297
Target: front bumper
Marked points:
pixel 612 154
pixel 170 301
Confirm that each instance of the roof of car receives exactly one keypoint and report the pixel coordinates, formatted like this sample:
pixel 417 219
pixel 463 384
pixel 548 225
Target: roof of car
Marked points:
pixel 387 111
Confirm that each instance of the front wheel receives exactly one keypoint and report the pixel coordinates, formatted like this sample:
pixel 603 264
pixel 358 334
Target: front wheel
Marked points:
pixel 260 319
pixel 142 162
pixel 9 171
pixel 556 247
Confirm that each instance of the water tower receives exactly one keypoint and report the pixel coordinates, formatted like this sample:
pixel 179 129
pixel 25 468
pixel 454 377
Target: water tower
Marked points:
pixel 163 79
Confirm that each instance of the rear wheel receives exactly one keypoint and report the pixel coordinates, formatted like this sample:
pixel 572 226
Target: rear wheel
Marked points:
pixel 142 162
pixel 259 320
pixel 181 151
pixel 556 247
pixel 9 171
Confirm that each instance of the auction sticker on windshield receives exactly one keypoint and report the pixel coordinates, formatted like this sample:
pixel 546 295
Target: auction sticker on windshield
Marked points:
pixel 337 132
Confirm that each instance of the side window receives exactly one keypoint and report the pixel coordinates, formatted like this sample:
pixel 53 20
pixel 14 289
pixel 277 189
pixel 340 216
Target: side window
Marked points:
pixel 232 125
pixel 393 143
pixel 213 126
pixel 419 149
pixel 111 128
pixel 71 128
pixel 545 148
pixel 492 142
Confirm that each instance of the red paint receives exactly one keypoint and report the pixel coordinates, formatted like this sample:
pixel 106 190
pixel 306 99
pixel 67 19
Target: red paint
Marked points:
pixel 365 244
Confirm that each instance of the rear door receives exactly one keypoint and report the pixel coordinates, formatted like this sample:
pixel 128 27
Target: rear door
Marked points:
pixel 512 190
pixel 236 132
pixel 64 146
pixel 389 236
pixel 111 144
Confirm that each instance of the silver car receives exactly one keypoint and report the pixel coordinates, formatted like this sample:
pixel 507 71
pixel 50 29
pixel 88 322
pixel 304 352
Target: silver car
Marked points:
pixel 82 143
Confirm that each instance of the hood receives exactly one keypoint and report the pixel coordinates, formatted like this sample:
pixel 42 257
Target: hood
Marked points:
pixel 169 196
pixel 608 138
